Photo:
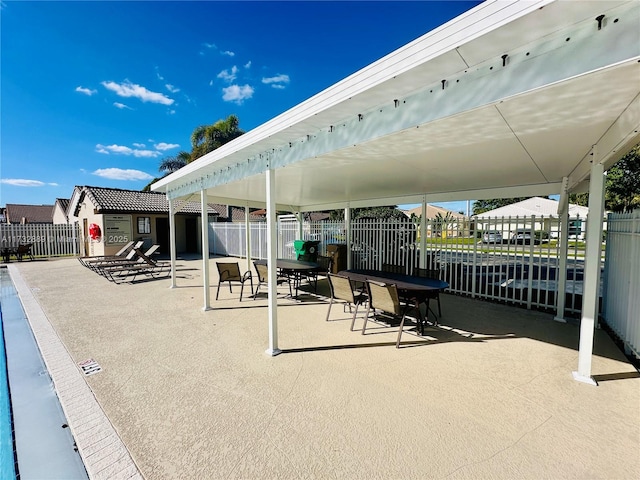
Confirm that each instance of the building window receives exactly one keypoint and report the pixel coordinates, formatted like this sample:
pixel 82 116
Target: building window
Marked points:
pixel 144 225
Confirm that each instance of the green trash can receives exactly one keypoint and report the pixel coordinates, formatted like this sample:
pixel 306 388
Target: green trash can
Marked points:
pixel 306 250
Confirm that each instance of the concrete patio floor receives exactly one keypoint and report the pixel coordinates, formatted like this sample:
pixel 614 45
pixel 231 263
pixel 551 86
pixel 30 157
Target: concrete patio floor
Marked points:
pixel 192 394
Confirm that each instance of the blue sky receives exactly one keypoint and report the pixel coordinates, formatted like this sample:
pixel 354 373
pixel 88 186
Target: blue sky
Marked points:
pixel 98 93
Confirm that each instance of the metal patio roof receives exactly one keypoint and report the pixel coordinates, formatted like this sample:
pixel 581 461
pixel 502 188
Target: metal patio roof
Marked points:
pixel 508 99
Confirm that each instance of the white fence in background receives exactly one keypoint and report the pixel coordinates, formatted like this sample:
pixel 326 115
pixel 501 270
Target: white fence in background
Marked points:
pixel 521 268
pixel 621 310
pixel 47 240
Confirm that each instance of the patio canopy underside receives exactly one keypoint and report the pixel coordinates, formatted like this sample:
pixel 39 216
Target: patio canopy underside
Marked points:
pixel 475 109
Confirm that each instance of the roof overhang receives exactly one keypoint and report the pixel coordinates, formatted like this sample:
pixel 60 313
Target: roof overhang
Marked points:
pixel 505 100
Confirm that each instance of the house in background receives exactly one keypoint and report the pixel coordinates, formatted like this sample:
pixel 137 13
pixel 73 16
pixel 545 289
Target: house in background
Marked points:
pixel 452 222
pixel 17 214
pixel 108 218
pixel 60 211
pixel 510 218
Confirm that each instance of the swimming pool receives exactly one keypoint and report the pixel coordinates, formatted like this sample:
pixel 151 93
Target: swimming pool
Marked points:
pixel 44 446
pixel 7 457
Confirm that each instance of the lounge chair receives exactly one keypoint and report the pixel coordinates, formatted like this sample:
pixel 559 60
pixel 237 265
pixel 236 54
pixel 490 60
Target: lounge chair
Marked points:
pixel 145 265
pixel 134 257
pixel 120 254
pixel 230 272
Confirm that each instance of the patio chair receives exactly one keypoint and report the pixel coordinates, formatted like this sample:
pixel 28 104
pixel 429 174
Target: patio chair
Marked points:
pixel 384 297
pixel 342 290
pixel 390 268
pixel 324 267
pixel 263 278
pixel 434 294
pixel 230 272
pixel 24 251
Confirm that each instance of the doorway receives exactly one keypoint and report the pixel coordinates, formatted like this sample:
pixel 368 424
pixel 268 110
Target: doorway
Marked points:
pixel 162 234
pixel 191 232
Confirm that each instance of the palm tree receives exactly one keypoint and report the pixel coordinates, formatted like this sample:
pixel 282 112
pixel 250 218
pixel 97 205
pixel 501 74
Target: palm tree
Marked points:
pixel 207 138
pixel 172 164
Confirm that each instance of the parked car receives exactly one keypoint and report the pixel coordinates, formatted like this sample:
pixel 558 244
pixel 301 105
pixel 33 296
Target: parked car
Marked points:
pixel 492 236
pixel 522 236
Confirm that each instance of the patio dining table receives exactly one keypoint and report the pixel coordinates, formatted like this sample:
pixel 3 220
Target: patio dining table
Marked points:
pixel 410 288
pixel 295 269
pixel 7 252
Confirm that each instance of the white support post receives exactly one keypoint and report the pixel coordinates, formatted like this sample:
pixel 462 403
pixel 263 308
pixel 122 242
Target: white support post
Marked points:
pixel 272 246
pixel 204 216
pixel 172 241
pixel 561 275
pixel 300 219
pixel 591 287
pixel 423 234
pixel 347 224
pixel 247 228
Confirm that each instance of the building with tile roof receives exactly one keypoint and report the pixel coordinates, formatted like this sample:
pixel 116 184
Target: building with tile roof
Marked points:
pixel 122 215
pixel 60 211
pixel 21 214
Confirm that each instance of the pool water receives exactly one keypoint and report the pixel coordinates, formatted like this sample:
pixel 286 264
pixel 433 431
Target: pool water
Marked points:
pixel 7 457
pixel 44 445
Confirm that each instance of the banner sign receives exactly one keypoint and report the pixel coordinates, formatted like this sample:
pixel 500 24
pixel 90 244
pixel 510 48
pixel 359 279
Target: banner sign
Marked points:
pixel 117 229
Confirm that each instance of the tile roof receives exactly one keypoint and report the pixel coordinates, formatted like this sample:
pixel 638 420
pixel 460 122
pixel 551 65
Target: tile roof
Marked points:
pixel 64 203
pixel 117 200
pixel 112 200
pixel 31 213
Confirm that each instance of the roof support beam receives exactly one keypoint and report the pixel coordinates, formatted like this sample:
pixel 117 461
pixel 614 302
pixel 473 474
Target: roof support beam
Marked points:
pixel 205 250
pixel 272 253
pixel 591 288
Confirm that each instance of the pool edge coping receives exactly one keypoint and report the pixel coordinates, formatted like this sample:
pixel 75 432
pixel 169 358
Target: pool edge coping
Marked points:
pixel 87 420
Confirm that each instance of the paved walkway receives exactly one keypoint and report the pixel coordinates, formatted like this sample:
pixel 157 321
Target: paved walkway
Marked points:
pixel 192 394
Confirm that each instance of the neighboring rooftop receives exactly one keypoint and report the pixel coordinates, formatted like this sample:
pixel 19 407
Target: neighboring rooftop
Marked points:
pixel 117 200
pixel 534 206
pixel 17 213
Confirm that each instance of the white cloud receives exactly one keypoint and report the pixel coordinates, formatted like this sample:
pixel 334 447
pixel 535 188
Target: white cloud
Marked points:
pixel 171 88
pixel 139 145
pixel 237 93
pixel 278 86
pixel 123 150
pixel 165 146
pixel 209 45
pixel 211 83
pixel 21 182
pixel 86 91
pixel 228 53
pixel 279 81
pixel 121 106
pixel 229 76
pixel 120 174
pixel 248 64
pixel 127 89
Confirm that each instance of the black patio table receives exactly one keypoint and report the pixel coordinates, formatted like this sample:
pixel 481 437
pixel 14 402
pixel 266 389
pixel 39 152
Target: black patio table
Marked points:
pixel 293 268
pixel 7 252
pixel 415 289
